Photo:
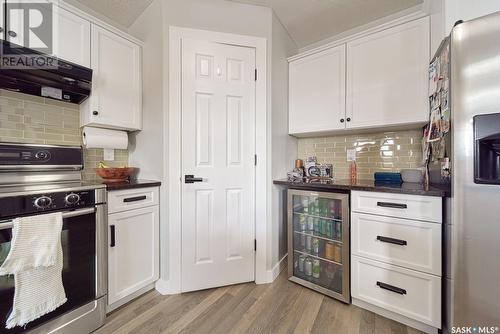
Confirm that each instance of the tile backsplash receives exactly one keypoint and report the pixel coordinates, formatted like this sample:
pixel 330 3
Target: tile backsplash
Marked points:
pixel 32 119
pixel 378 151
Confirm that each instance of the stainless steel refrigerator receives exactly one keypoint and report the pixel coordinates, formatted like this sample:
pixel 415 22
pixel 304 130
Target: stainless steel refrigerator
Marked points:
pixel 474 242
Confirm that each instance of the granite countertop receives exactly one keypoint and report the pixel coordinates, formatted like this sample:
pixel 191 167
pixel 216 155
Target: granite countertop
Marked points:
pixel 369 185
pixel 132 184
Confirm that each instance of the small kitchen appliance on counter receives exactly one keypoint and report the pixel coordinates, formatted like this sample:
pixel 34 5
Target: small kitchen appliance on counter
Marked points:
pixel 39 179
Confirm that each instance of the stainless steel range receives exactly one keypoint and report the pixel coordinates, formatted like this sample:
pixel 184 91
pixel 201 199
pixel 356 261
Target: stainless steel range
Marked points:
pixel 41 179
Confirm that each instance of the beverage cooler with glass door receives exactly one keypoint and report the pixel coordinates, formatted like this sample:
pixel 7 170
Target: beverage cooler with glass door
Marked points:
pixel 318 242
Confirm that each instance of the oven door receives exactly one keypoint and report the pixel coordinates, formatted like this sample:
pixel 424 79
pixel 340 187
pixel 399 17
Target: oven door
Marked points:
pixel 80 233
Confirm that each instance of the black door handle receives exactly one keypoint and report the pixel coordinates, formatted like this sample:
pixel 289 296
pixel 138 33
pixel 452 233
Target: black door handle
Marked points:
pixel 192 179
pixel 113 240
pixel 392 240
pixel 391 288
pixel 134 199
pixel 392 205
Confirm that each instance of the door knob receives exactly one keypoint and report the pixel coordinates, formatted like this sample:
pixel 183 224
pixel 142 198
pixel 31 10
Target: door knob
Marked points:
pixel 192 179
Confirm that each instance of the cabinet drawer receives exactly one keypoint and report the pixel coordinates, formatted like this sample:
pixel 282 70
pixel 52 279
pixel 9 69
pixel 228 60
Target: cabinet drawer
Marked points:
pixel 410 293
pixel 425 208
pixel 407 243
pixel 129 199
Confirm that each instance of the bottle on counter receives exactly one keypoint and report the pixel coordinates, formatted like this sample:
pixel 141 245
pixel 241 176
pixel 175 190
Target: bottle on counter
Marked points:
pixel 354 172
pixel 299 168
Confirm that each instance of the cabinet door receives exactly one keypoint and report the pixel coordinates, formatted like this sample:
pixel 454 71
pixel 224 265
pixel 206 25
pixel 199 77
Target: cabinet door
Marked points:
pixel 133 252
pixel 71 37
pixel 116 84
pixel 387 77
pixel 317 92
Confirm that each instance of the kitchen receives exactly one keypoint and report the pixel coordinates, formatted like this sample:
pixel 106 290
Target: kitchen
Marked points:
pixel 153 166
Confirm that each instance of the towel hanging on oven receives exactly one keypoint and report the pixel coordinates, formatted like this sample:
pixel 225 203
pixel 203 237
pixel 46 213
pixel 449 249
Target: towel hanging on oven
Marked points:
pixel 36 260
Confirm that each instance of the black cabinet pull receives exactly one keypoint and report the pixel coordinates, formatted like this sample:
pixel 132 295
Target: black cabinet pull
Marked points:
pixel 12 33
pixel 391 288
pixel 192 179
pixel 342 120
pixel 95 113
pixel 134 199
pixel 348 119
pixel 392 240
pixel 392 205
pixel 113 240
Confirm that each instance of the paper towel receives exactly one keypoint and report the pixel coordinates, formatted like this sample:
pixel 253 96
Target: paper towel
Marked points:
pixel 104 138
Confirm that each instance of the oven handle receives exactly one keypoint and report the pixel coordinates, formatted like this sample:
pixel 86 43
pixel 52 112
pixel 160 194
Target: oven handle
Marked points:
pixel 7 224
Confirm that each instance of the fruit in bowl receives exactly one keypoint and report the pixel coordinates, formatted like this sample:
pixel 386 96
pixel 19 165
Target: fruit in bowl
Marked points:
pixel 114 174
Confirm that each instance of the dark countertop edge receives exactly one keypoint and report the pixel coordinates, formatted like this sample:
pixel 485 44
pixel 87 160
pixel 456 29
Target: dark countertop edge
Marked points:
pixel 434 190
pixel 133 184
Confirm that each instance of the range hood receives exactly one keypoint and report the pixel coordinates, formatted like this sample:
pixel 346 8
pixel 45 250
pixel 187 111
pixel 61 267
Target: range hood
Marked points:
pixel 28 71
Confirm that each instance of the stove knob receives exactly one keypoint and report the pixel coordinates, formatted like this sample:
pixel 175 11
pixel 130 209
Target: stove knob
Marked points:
pixel 72 199
pixel 43 202
pixel 42 155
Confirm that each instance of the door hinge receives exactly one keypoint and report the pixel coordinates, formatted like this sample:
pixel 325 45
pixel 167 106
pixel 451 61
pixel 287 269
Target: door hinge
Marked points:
pixel 255 74
pixel 255 159
pixel 255 244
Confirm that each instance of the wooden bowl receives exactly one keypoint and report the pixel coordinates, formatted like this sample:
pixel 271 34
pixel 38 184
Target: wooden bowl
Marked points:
pixel 115 174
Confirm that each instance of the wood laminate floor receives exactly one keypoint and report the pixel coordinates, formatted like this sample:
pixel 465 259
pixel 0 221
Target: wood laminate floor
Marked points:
pixel 280 307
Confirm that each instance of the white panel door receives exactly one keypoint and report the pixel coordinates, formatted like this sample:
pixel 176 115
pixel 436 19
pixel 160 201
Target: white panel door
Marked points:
pixel 387 77
pixel 218 140
pixel 71 37
pixel 133 253
pixel 2 19
pixel 116 100
pixel 317 92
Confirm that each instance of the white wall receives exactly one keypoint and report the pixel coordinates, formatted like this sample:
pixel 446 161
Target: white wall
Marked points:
pixel 283 148
pixel 467 10
pixel 145 147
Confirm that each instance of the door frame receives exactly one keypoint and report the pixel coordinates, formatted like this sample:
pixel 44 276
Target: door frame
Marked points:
pixel 170 281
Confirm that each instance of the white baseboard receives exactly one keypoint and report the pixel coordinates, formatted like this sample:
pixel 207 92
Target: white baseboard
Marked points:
pixel 396 317
pixel 164 288
pixel 272 274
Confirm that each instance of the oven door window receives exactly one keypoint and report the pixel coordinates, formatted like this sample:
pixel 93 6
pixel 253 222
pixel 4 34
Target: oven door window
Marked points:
pixel 78 239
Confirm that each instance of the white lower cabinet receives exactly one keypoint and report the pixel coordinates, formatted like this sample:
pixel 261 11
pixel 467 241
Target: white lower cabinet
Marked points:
pixel 410 293
pixel 396 256
pixel 133 253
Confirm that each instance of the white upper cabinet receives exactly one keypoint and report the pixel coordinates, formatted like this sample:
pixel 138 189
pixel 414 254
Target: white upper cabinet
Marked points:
pixel 72 37
pixel 387 81
pixel 317 92
pixel 116 99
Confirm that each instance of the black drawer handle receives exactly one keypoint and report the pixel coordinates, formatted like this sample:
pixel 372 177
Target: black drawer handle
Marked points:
pixel 392 205
pixel 392 240
pixel 113 240
pixel 391 288
pixel 192 179
pixel 134 199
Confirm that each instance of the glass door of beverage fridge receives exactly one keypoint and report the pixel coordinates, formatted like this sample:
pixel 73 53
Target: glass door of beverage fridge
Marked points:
pixel 318 242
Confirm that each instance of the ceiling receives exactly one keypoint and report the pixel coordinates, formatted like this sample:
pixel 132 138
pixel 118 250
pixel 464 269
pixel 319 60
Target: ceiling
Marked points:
pixel 309 21
pixel 124 12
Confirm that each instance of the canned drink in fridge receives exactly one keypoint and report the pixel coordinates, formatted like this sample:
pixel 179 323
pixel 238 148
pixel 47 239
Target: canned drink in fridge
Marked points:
pixel 315 246
pixel 301 262
pixel 303 241
pixel 324 227
pixel 316 225
pixel 308 243
pixel 338 230
pixel 316 268
pixel 308 266
pixel 310 224
pixel 302 223
pixel 305 205
pixel 329 228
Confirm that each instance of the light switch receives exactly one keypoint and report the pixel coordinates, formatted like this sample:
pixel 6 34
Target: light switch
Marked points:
pixel 351 154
